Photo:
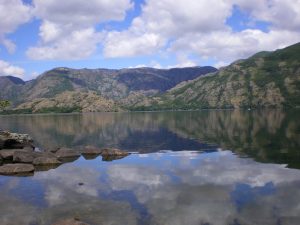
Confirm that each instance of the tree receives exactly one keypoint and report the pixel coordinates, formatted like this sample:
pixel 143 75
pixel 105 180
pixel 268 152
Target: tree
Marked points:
pixel 4 104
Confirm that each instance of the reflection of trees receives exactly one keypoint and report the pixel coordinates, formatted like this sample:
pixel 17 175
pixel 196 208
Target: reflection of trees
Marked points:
pixel 102 129
pixel 269 136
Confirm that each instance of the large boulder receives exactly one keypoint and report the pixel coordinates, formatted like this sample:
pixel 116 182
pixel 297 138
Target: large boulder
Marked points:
pixel 46 161
pixel 8 154
pixel 67 155
pixel 23 157
pixel 14 140
pixel 14 169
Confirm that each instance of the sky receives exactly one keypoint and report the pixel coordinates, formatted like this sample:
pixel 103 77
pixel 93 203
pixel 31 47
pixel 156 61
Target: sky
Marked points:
pixel 38 35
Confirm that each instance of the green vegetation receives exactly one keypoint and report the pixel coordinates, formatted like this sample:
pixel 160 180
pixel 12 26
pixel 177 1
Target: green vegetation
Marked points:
pixel 4 104
pixel 59 110
pixel 267 79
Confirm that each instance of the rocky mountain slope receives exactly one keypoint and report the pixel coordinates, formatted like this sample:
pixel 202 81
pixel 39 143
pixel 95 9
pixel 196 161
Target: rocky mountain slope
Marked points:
pixel 267 79
pixel 111 84
pixel 70 101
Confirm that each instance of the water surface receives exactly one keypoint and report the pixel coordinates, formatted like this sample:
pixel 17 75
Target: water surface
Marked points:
pixel 207 167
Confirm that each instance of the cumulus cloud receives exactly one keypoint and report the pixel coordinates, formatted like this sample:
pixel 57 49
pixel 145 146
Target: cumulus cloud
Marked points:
pixel 78 44
pixel 228 46
pixel 68 30
pixel 6 69
pixel 12 14
pixel 185 27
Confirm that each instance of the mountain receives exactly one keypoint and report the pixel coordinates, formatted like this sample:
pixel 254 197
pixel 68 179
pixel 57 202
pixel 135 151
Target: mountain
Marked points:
pixel 9 87
pixel 70 101
pixel 110 84
pixel 267 79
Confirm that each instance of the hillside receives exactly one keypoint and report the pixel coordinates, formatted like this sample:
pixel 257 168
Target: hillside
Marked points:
pixel 111 84
pixel 70 101
pixel 267 79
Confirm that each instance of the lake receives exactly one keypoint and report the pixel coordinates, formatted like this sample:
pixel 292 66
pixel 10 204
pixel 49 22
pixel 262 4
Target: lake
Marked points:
pixel 202 167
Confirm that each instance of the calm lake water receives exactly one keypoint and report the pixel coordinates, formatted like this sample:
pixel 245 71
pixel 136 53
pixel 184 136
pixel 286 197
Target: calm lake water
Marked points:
pixel 191 168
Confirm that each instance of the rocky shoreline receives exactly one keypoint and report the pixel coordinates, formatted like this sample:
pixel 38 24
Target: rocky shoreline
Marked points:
pixel 19 156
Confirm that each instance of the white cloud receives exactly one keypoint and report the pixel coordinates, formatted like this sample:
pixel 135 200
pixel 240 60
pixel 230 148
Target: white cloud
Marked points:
pixel 12 14
pixel 283 14
pixel 78 44
pixel 126 44
pixel 162 20
pixel 229 46
pixel 185 27
pixel 68 27
pixel 6 69
pixel 81 13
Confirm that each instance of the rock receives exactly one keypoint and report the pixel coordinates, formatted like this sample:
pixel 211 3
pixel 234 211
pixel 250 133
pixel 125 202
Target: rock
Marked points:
pixel 28 148
pixel 45 161
pixel 112 157
pixel 52 150
pixel 23 157
pixel 46 168
pixel 67 153
pixel 14 140
pixel 91 150
pixel 113 152
pixel 89 157
pixel 73 221
pixel 14 169
pixel 8 154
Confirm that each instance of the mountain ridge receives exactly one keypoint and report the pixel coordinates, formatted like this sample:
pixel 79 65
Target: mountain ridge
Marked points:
pixel 111 84
pixel 266 79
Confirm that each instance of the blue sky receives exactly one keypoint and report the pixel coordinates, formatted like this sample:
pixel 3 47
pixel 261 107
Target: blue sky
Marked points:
pixel 37 35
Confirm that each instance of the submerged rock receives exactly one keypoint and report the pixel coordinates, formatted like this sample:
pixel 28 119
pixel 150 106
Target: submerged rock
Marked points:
pixel 73 221
pixel 18 168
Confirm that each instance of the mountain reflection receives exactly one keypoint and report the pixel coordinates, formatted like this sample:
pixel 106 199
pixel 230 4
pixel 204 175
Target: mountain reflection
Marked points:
pixel 267 136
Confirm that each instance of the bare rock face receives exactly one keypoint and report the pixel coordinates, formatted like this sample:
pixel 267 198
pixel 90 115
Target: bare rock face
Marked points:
pixel 18 168
pixel 46 161
pixel 73 221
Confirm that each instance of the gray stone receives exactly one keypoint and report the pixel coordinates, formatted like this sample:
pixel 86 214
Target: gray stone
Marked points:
pixel 8 154
pixel 14 169
pixel 14 140
pixel 23 157
pixel 91 150
pixel 113 152
pixel 46 161
pixel 66 153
